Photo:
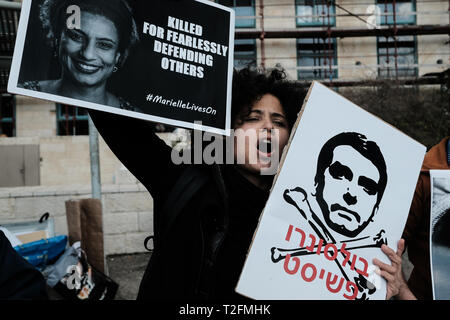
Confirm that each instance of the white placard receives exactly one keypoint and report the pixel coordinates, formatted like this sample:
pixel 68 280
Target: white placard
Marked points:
pixel 344 188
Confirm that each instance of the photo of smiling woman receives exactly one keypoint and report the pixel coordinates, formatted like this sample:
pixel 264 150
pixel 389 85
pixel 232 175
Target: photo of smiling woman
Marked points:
pixel 88 52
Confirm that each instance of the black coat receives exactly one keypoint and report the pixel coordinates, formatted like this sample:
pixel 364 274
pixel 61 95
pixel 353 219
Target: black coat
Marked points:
pixel 204 215
pixel 19 280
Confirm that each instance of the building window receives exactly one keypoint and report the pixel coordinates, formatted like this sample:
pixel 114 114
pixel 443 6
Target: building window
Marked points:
pixel 397 58
pixel 244 53
pixel 315 13
pixel 405 49
pixel 7 115
pixel 244 9
pixel 244 49
pixel 71 121
pixel 404 12
pixel 314 57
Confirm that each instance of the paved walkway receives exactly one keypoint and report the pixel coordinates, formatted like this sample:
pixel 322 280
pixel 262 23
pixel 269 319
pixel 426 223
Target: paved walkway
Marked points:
pixel 127 271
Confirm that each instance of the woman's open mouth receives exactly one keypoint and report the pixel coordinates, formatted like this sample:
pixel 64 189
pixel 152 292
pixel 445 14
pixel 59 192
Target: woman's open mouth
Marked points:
pixel 264 147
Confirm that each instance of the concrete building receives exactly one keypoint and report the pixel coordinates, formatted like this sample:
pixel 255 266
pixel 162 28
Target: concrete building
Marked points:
pixel 44 148
pixel 337 40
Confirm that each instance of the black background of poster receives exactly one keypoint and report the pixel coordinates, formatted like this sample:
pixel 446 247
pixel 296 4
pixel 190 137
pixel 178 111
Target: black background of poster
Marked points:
pixel 142 73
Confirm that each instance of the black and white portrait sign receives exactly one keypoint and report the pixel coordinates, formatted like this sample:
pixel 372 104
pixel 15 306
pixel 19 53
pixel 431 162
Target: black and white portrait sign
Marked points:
pixel 343 190
pixel 162 60
pixel 440 233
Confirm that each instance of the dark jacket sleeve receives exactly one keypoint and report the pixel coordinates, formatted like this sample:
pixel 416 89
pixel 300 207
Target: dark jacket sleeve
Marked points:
pixel 19 280
pixel 416 235
pixel 136 145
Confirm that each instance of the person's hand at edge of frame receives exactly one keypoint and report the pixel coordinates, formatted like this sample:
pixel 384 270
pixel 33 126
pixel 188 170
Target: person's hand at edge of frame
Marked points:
pixel 393 274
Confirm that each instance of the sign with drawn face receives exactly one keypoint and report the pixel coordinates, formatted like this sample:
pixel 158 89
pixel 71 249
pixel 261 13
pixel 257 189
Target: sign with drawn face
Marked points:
pixel 164 61
pixel 344 188
pixel 440 233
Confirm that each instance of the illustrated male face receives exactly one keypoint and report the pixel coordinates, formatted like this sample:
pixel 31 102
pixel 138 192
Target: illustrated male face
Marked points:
pixel 349 191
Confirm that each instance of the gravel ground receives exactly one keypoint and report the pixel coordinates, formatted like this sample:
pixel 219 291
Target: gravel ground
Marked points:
pixel 127 271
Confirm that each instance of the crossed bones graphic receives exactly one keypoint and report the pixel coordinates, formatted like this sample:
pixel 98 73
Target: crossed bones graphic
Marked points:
pixel 304 208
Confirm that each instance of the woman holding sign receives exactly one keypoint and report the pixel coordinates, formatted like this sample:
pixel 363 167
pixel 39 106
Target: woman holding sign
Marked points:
pixel 91 40
pixel 205 215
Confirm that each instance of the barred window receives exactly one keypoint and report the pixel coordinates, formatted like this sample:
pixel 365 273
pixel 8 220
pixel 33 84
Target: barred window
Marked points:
pixel 314 13
pixel 403 12
pixel 314 57
pixel 71 121
pixel 405 50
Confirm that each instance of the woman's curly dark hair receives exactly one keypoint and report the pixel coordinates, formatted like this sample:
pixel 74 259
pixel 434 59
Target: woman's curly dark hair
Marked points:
pixel 441 234
pixel 53 16
pixel 251 84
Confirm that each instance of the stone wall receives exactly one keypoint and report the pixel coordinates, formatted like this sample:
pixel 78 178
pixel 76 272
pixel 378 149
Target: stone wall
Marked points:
pixel 127 211
pixel 432 48
pixel 65 175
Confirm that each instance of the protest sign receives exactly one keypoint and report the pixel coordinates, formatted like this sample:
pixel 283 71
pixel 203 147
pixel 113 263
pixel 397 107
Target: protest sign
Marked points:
pixel 164 61
pixel 440 233
pixel 343 189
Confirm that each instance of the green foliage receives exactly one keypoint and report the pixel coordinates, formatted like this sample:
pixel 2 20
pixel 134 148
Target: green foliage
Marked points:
pixel 421 112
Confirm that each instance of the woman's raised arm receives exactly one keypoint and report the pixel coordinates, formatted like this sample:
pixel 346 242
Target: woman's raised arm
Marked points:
pixel 137 146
